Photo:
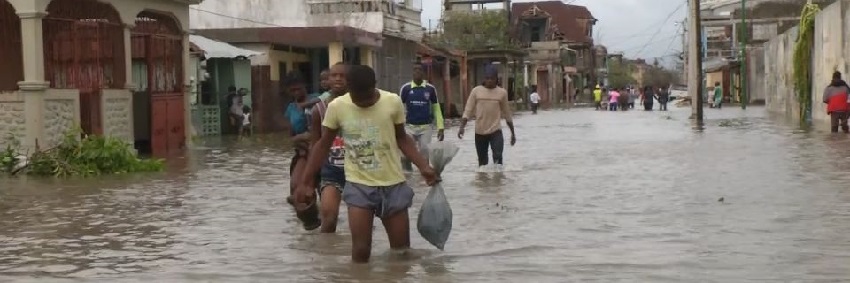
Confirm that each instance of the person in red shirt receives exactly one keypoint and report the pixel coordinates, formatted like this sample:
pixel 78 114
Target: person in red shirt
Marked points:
pixel 835 97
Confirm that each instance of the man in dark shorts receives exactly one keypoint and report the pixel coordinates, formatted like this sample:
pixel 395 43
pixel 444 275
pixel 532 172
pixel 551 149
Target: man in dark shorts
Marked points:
pixel 372 123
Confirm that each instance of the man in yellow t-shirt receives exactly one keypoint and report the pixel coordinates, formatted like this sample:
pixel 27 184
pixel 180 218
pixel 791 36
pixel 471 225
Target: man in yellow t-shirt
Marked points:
pixel 371 122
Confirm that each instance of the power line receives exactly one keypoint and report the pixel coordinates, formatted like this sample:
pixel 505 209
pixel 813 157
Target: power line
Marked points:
pixel 644 46
pixel 660 28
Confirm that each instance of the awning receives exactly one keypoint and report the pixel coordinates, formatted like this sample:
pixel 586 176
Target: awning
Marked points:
pixel 217 49
pixel 716 64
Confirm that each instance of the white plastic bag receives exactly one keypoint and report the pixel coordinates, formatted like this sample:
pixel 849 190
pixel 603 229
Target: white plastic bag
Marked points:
pixel 435 216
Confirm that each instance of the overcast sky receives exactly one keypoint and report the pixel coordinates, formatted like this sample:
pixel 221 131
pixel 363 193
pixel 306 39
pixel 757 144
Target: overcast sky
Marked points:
pixel 624 25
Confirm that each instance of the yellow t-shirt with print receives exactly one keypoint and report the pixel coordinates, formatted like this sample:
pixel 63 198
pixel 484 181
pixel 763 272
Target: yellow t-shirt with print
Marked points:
pixel 371 151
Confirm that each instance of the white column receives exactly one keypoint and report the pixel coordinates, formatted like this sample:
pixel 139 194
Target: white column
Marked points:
pixel 34 85
pixel 525 75
pixel 188 127
pixel 128 58
pixel 33 45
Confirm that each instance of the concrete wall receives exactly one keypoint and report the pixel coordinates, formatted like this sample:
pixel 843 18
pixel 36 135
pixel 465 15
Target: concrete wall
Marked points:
pixel 828 57
pixel 399 21
pixel 715 77
pixel 12 119
pixel 775 79
pixel 394 63
pixel 61 114
pixel 117 109
pixel 755 72
pixel 773 74
pixel 273 58
pixel 245 14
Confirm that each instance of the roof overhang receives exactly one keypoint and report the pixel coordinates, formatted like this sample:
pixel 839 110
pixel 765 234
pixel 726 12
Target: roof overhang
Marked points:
pixel 217 49
pixel 306 37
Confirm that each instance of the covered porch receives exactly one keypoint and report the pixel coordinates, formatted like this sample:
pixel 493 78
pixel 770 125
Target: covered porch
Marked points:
pixel 77 63
pixel 304 50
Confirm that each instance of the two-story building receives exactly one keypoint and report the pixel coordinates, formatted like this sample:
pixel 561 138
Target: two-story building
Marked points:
pixel 308 36
pixel 559 40
pixel 79 63
pixel 723 30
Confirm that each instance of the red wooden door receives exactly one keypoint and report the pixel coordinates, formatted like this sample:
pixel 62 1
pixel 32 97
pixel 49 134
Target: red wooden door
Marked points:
pixel 90 111
pixel 176 124
pixel 164 58
pixel 159 126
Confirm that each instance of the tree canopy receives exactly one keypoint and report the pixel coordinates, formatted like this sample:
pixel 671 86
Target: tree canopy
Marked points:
pixel 478 30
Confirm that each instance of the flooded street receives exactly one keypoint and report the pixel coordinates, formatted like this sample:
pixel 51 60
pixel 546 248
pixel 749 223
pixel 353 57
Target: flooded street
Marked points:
pixel 629 197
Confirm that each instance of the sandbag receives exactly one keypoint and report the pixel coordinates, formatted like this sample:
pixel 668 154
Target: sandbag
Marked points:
pixel 435 215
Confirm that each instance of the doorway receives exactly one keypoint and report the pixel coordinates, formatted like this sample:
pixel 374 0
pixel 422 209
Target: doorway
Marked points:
pixel 157 52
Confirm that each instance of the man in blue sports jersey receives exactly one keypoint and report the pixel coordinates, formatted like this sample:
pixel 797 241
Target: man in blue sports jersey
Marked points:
pixel 423 111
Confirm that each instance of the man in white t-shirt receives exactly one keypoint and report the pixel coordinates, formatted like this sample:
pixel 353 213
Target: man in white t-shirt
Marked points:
pixel 534 98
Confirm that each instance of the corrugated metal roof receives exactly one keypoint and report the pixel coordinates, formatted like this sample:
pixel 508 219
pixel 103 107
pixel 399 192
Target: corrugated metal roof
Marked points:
pixel 218 49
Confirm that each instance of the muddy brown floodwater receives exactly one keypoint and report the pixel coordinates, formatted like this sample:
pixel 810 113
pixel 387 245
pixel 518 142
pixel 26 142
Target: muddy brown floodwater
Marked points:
pixel 629 197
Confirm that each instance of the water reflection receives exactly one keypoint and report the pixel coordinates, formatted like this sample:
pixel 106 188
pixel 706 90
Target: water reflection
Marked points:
pixel 585 195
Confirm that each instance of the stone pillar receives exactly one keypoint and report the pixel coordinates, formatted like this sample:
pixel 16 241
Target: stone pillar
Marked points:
pixel 188 127
pixel 525 75
pixel 33 87
pixel 334 53
pixel 366 56
pixel 129 83
pixel 128 58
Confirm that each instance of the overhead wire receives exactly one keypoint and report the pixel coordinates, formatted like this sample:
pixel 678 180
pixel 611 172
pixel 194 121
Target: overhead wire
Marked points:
pixel 660 27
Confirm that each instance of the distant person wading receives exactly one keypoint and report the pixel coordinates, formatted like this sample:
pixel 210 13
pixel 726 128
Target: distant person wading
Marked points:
pixel 534 99
pixel 648 96
pixel 488 103
pixel 836 98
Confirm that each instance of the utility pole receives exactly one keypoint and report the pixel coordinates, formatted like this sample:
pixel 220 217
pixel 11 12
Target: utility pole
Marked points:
pixel 695 76
pixel 745 96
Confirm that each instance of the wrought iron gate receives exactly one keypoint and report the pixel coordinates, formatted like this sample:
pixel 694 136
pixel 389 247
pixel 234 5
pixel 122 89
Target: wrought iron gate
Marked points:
pixel 10 31
pixel 158 41
pixel 84 50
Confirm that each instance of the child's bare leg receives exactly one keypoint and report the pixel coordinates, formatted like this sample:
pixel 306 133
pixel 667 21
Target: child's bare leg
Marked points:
pixel 360 221
pixel 398 230
pixel 330 200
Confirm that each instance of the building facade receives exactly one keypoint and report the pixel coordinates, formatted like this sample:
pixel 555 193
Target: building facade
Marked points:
pixel 558 38
pixel 308 36
pixel 72 67
pixel 723 31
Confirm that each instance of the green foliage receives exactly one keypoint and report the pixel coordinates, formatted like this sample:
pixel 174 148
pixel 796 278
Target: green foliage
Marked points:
pixel 620 74
pixel 87 156
pixel 803 59
pixel 478 30
pixel 9 156
pixel 659 77
pixel 8 159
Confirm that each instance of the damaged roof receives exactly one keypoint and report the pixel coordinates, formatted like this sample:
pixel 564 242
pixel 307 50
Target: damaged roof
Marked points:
pixel 569 19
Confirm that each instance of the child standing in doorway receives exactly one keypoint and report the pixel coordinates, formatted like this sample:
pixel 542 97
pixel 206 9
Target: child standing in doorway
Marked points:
pixel 245 130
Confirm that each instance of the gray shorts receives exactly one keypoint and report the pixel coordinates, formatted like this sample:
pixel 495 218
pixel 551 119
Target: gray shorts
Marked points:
pixel 383 201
